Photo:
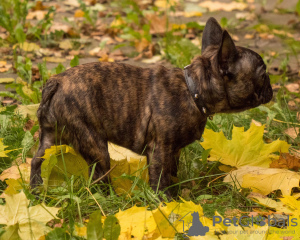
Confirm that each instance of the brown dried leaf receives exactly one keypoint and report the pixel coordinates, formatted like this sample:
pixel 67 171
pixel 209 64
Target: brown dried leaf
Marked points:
pixel 266 36
pixel 286 161
pixel 142 44
pixel 249 36
pixel 105 58
pixel 292 132
pixel 54 59
pixel 220 6
pixel 39 15
pixel 256 123
pixel 293 87
pixel 79 13
pixel 158 24
pixel 39 6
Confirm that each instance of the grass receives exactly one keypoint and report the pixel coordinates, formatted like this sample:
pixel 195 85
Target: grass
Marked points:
pixel 198 179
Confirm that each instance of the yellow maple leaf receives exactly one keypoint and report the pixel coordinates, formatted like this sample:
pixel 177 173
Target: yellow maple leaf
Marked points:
pixel 293 203
pixel 272 204
pixel 245 148
pixel 2 149
pixel 16 172
pixel 25 223
pixel 53 168
pixel 127 162
pixel 264 180
pixel 136 222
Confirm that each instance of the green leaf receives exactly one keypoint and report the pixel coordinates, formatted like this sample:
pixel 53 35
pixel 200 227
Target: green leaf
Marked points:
pixel 11 233
pixel 58 234
pixel 19 33
pixel 75 61
pixel 26 143
pixel 224 22
pixel 43 71
pixel 94 226
pixel 298 7
pixel 46 169
pixel 112 228
pixel 61 162
pixel 60 68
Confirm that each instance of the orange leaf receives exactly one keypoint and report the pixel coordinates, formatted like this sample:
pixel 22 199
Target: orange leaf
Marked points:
pixel 79 13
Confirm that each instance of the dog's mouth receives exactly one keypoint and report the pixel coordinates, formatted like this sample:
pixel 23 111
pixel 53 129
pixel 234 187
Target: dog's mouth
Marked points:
pixel 265 94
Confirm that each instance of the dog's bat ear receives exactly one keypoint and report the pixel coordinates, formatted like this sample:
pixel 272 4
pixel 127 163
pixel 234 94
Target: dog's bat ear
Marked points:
pixel 212 34
pixel 227 53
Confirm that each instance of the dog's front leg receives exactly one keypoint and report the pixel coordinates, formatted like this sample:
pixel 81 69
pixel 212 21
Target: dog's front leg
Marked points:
pixel 160 167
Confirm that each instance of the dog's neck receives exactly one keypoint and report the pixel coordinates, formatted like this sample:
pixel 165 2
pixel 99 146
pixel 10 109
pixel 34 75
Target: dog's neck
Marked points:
pixel 196 94
pixel 204 72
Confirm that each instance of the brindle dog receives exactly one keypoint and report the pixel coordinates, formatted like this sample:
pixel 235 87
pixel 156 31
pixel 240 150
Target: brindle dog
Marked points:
pixel 154 111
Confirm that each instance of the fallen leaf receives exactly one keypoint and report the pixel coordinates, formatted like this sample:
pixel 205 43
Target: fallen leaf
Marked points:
pixel 95 51
pixel 245 148
pixel 165 3
pixel 28 111
pixel 235 38
pixel 2 149
pixel 292 203
pixel 73 3
pixel 52 170
pixel 245 15
pixel 292 87
pixel 292 105
pixel 6 80
pixel 282 33
pixel 16 172
pixel 158 24
pixel 29 47
pixel 213 6
pixel 54 59
pixel 13 186
pixel 264 180
pixel 270 203
pixel 59 27
pixel 39 6
pixel 141 45
pixel 287 161
pixel 256 123
pixel 249 36
pixel 129 163
pixel 266 36
pixel 117 55
pixel 154 59
pixel 66 44
pixel 105 58
pixel 292 132
pixel 25 220
pixel 193 14
pixel 79 13
pixel 39 15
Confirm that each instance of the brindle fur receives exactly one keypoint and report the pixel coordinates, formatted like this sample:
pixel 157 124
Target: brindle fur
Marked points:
pixel 147 110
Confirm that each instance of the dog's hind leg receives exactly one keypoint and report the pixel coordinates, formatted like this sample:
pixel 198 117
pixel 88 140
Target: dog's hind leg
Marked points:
pixel 47 139
pixel 93 147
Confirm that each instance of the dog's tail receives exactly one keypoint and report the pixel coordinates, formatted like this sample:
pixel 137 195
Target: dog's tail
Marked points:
pixel 47 94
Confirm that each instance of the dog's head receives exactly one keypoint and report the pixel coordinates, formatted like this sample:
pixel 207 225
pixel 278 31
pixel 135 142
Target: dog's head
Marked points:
pixel 229 78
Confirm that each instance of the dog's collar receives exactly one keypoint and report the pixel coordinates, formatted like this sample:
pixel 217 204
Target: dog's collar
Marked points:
pixel 195 94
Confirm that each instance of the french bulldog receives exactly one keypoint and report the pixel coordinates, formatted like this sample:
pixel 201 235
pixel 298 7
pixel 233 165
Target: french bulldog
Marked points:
pixel 151 111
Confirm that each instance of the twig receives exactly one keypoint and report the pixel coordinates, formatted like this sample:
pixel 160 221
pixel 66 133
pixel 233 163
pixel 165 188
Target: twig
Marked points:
pixel 96 202
pixel 97 180
pixel 276 120
pixel 218 178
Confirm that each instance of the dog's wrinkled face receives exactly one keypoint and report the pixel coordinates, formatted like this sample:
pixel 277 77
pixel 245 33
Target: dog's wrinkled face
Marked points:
pixel 240 80
pixel 247 83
